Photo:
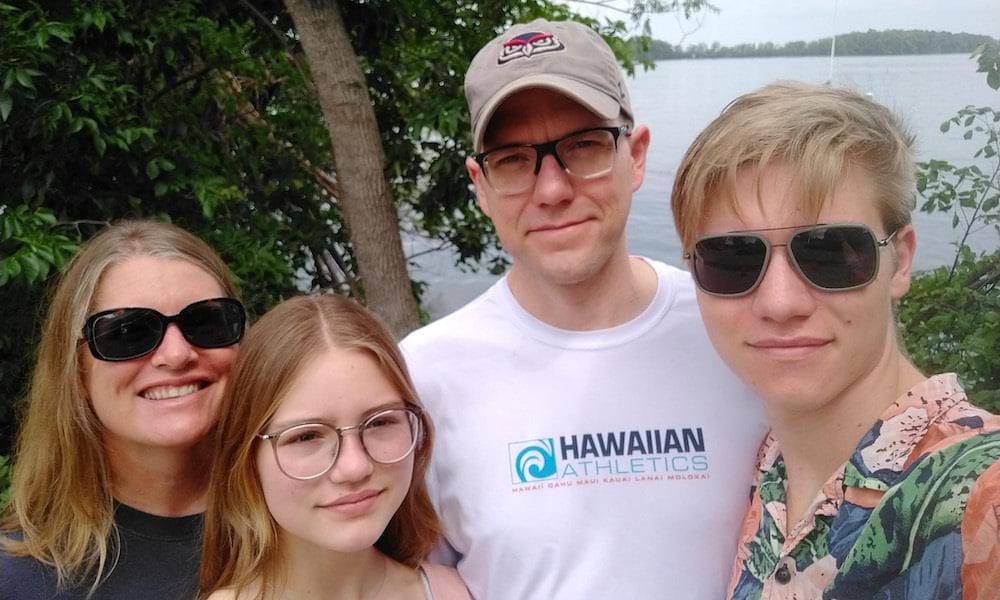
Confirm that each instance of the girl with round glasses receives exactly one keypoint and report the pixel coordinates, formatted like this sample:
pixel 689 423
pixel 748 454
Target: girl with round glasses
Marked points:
pixel 112 458
pixel 318 485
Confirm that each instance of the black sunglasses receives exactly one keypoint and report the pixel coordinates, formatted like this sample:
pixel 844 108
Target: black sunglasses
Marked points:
pixel 831 258
pixel 127 333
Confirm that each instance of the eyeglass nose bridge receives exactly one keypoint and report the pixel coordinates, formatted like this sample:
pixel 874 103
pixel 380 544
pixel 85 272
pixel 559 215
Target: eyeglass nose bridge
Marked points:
pixel 543 150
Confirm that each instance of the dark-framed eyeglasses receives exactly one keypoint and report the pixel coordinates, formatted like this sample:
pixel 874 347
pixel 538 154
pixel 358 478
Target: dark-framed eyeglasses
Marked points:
pixel 830 257
pixel 586 154
pixel 309 450
pixel 126 333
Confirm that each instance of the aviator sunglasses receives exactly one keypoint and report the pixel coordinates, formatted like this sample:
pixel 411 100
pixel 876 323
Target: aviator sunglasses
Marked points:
pixel 127 333
pixel 831 258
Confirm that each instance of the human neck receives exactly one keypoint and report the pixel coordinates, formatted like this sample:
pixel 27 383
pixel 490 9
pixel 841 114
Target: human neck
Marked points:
pixel 311 572
pixel 613 296
pixel 840 424
pixel 161 481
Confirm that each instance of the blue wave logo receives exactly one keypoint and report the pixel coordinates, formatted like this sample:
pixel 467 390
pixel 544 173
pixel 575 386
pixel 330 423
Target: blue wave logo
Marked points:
pixel 532 460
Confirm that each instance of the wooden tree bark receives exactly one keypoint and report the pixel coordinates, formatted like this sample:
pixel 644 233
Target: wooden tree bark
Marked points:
pixel 366 199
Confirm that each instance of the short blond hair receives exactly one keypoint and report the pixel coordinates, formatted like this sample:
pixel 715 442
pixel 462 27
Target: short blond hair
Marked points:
pixel 822 133
pixel 61 510
pixel 240 549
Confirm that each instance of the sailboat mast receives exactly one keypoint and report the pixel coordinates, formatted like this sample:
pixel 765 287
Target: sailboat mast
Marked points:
pixel 833 43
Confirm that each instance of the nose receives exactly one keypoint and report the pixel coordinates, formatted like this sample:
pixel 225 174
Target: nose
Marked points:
pixel 552 184
pixel 782 294
pixel 353 463
pixel 174 352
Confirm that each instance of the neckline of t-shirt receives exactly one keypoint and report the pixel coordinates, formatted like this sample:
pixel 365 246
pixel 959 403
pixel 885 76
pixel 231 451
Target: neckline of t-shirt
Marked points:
pixel 597 338
pixel 156 526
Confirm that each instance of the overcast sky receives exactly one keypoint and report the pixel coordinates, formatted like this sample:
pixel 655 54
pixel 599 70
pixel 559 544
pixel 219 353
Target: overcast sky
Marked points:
pixel 783 21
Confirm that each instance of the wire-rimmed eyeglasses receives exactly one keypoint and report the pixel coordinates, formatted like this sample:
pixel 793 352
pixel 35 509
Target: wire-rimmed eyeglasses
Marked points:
pixel 309 450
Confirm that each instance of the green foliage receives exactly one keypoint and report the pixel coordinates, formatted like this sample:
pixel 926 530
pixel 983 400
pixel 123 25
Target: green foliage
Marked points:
pixel 951 323
pixel 951 316
pixel 4 481
pixel 30 245
pixel 988 57
pixel 203 114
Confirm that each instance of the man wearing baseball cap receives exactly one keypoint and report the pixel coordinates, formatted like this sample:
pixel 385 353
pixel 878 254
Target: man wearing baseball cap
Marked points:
pixel 589 443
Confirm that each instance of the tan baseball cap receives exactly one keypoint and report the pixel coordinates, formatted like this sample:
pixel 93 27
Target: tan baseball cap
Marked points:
pixel 563 56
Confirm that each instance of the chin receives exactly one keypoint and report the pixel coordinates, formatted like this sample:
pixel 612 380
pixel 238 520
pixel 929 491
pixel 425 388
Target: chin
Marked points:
pixel 350 543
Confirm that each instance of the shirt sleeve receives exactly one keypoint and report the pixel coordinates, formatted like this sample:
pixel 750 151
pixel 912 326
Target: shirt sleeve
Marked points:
pixel 981 538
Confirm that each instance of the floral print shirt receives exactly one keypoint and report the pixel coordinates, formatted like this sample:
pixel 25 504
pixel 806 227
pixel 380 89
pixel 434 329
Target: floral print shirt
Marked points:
pixel 912 515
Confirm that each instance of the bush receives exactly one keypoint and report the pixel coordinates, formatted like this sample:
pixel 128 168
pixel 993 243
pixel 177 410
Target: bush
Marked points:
pixel 951 317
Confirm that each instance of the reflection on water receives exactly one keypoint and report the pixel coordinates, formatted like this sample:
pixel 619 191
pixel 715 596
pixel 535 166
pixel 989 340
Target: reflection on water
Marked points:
pixel 679 98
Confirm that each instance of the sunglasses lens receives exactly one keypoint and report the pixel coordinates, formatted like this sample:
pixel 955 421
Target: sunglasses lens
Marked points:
pixel 729 264
pixel 212 323
pixel 125 334
pixel 129 333
pixel 836 257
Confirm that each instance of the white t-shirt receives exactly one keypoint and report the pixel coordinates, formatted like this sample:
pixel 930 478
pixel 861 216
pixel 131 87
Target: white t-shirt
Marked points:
pixel 573 465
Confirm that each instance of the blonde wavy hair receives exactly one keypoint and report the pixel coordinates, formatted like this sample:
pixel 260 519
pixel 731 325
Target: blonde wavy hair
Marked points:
pixel 821 132
pixel 61 510
pixel 240 548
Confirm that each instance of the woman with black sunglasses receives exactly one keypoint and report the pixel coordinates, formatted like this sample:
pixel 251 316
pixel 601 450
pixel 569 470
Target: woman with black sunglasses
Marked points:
pixel 875 480
pixel 112 460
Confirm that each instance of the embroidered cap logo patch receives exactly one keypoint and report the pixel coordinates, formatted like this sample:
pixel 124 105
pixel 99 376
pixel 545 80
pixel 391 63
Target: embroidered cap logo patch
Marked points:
pixel 527 45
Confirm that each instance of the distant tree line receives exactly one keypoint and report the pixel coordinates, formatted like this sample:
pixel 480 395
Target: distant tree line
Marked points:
pixel 867 43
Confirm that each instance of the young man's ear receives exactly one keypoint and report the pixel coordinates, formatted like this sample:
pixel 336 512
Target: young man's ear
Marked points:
pixel 905 247
pixel 479 181
pixel 638 142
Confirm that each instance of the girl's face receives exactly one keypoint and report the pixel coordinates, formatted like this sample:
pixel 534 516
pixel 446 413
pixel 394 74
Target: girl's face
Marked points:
pixel 347 508
pixel 170 397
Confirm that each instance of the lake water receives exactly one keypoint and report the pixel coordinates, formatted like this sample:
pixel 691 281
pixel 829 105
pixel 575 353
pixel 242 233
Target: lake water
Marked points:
pixel 679 98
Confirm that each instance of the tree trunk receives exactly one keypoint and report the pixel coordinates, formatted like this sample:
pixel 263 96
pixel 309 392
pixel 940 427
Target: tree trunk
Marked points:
pixel 366 200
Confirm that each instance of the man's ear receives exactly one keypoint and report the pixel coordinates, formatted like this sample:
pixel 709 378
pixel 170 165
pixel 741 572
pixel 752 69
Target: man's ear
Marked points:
pixel 479 181
pixel 638 143
pixel 905 245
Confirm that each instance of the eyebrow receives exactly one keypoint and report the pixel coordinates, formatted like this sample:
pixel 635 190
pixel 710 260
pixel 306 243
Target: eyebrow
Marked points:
pixel 282 425
pixel 491 148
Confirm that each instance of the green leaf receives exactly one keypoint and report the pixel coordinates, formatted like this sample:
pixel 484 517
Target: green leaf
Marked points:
pixel 46 216
pixel 11 266
pixel 6 104
pixel 24 78
pixel 993 79
pixel 954 220
pixel 152 170
pixel 945 126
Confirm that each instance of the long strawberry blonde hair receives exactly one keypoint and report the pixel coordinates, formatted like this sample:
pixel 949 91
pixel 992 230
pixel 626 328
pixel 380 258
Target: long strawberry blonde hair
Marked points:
pixel 240 549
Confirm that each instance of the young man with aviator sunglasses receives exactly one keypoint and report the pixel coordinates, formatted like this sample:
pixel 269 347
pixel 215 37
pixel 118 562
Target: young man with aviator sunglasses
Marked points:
pixel 589 442
pixel 875 481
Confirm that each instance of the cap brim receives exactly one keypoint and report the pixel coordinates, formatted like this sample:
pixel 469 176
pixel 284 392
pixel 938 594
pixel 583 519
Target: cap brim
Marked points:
pixel 593 100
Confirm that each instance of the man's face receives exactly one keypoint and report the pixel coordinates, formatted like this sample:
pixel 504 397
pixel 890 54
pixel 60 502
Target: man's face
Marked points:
pixel 565 230
pixel 799 347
